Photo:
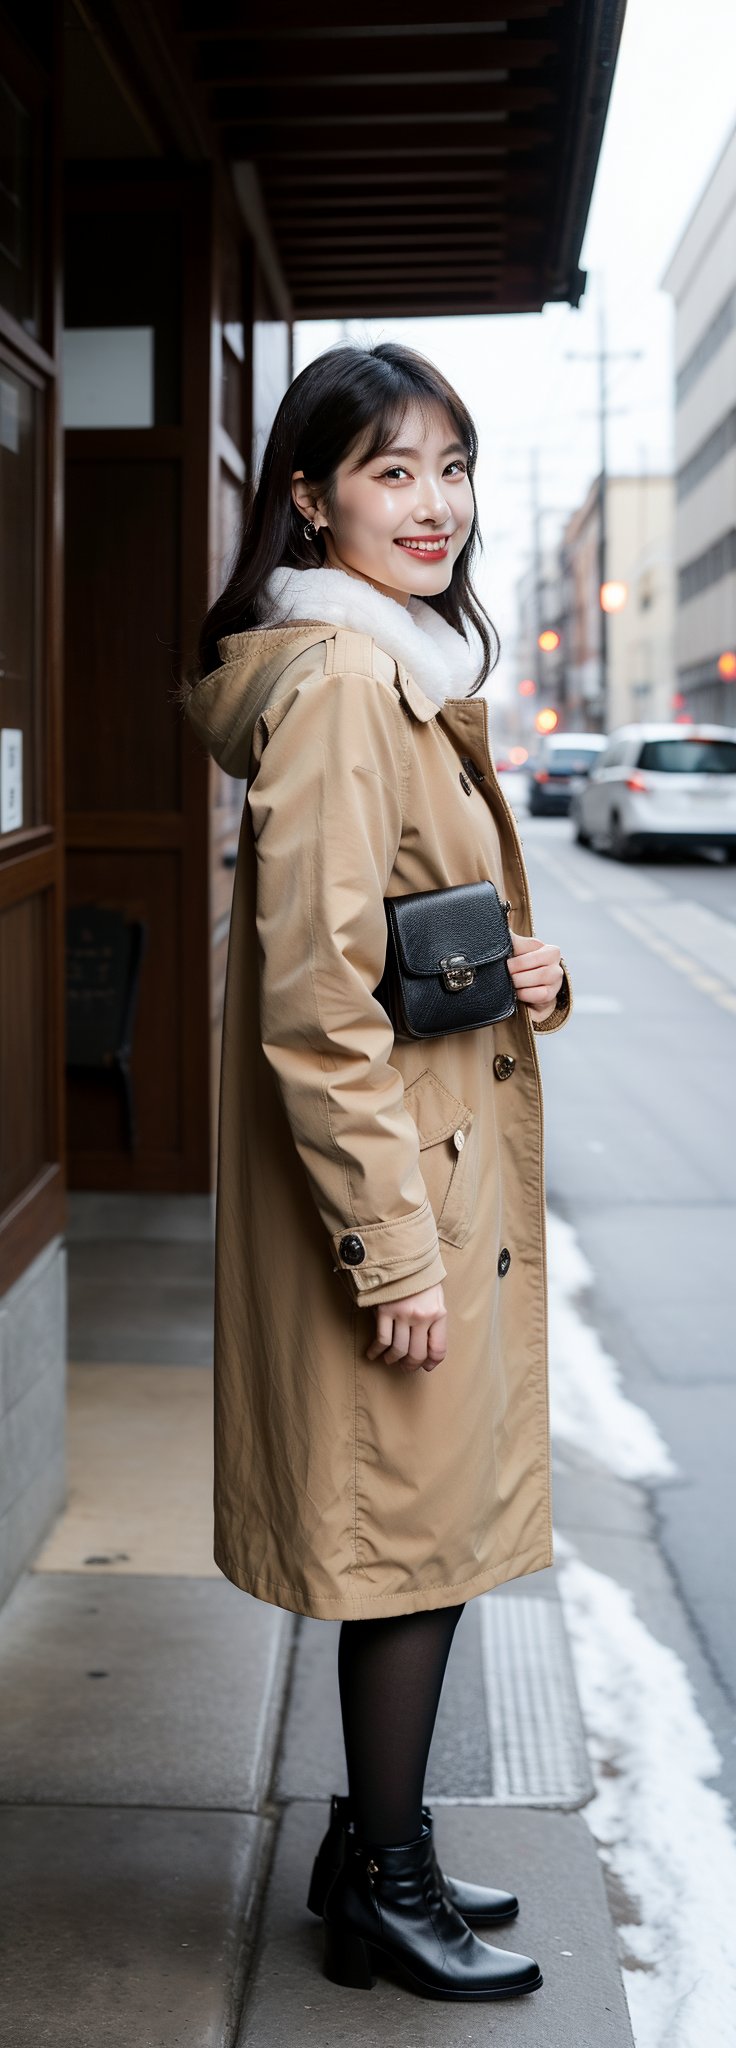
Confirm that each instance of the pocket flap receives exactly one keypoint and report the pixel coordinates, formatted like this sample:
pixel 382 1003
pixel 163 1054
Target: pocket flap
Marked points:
pixel 436 1111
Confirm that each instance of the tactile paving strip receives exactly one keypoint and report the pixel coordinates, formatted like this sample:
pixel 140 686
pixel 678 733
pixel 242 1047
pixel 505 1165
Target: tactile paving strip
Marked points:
pixel 538 1749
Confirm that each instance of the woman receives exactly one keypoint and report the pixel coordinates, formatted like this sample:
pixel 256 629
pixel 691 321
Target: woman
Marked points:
pixel 381 1423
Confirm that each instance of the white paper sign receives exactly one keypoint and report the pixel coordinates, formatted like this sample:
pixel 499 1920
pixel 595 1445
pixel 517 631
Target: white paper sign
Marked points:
pixel 11 779
pixel 108 377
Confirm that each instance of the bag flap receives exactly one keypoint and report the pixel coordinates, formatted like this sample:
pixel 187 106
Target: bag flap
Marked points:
pixel 435 923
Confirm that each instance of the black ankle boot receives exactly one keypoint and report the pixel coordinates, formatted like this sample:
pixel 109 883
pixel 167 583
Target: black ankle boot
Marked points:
pixel 385 1906
pixel 478 1903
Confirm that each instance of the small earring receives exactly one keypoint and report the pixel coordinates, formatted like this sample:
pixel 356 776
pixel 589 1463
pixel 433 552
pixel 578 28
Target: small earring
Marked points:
pixel 310 530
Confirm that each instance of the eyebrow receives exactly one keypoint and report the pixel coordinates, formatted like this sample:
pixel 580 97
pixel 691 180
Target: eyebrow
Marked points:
pixel 455 448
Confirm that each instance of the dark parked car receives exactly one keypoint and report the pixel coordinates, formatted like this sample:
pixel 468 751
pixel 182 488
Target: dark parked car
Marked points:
pixel 561 765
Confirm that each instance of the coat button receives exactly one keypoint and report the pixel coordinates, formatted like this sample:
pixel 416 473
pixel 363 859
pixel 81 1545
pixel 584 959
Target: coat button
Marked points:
pixel 503 1065
pixel 504 1260
pixel 458 1139
pixel 352 1250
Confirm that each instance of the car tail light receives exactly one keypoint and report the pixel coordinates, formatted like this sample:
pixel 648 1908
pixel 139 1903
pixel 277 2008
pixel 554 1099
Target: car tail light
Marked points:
pixel 638 782
pixel 540 775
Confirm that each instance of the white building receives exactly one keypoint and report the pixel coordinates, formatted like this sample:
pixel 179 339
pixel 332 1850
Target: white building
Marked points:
pixel 702 279
pixel 640 652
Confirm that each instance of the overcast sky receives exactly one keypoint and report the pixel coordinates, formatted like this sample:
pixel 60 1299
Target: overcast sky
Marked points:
pixel 672 107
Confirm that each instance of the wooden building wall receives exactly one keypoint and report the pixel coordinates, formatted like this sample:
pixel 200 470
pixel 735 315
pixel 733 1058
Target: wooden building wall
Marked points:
pixel 118 524
pixel 31 841
pixel 152 517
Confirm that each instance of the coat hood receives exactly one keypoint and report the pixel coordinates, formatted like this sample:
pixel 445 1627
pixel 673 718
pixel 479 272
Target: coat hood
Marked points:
pixel 223 708
pixel 296 606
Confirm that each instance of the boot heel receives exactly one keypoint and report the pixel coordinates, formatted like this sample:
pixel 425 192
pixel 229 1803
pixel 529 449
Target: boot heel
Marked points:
pixel 347 1960
pixel 317 1890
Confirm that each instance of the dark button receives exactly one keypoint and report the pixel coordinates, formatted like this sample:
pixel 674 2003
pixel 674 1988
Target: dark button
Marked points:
pixel 352 1250
pixel 503 1065
pixel 477 773
pixel 466 785
pixel 504 1260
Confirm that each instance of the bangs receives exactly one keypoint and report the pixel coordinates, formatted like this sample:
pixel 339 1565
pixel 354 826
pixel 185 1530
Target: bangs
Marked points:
pixel 390 404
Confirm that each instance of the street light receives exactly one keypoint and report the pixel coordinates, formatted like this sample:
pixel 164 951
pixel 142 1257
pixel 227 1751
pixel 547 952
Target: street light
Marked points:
pixel 613 596
pixel 548 640
pixel 727 666
pixel 527 687
pixel 546 719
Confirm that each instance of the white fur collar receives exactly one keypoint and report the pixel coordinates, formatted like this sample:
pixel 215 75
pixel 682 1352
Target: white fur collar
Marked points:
pixel 438 658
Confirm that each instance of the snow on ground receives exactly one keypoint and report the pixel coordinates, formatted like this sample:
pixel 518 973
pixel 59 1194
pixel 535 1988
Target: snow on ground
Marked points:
pixel 662 1830
pixel 587 1406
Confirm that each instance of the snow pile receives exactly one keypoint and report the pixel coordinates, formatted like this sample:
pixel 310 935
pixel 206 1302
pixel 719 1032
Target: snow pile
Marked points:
pixel 659 1827
pixel 587 1406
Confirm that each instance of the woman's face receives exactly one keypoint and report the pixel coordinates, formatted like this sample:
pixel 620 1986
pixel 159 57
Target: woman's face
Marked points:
pixel 400 521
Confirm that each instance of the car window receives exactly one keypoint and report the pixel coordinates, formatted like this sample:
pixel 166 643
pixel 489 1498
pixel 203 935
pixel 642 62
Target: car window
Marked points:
pixel 572 760
pixel 691 756
pixel 612 755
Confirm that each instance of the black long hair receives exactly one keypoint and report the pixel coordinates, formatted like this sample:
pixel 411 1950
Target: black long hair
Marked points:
pixel 349 397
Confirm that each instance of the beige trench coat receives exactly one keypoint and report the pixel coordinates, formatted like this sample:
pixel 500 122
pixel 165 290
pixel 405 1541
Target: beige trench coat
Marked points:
pixel 345 1488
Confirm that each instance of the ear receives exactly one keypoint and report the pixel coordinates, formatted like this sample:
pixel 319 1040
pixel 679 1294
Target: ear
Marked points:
pixel 303 497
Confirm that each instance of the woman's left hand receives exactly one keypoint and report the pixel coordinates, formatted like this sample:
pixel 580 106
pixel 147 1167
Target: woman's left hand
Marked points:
pixel 537 973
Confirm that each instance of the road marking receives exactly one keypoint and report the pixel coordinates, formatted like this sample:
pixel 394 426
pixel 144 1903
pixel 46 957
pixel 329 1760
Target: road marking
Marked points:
pixel 708 984
pixel 613 877
pixel 702 932
pixel 561 873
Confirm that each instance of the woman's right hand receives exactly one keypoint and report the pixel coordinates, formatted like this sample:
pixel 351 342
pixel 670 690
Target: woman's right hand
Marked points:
pixel 413 1332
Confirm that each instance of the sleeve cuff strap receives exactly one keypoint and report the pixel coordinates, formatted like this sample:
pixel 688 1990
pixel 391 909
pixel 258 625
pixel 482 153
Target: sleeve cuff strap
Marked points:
pixel 375 1258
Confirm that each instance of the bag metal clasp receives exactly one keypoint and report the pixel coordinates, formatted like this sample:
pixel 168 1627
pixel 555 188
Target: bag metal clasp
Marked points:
pixel 456 973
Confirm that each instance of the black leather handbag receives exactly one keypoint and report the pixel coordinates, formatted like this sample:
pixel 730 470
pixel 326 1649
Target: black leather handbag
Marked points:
pixel 446 956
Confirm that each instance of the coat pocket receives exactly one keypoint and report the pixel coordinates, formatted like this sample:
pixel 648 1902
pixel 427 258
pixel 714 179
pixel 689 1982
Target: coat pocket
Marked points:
pixel 448 1143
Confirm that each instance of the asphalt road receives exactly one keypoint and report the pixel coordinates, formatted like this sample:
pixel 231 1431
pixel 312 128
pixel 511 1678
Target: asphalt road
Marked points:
pixel 640 1115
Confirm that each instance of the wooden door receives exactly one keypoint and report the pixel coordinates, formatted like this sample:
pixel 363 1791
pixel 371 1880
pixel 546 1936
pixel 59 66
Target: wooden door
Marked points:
pixel 31 850
pixel 138 272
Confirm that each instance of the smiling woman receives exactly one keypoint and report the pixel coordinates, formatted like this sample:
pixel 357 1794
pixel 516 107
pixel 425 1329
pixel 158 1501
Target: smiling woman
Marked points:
pixel 379 1468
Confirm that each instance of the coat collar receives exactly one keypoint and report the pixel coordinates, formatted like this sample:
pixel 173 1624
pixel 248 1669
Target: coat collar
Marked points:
pixel 437 661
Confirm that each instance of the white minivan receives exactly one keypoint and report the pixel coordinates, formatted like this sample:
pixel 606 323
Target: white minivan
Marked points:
pixel 660 785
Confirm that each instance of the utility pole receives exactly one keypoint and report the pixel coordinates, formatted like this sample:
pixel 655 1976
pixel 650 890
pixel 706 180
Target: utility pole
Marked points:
pixel 603 356
pixel 536 547
pixel 603 508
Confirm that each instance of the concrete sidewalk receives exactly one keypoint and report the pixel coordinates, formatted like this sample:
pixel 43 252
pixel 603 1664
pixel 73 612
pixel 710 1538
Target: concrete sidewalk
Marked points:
pixel 168 1746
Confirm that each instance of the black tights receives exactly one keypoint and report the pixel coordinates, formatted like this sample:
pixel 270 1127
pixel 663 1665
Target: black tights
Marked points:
pixel 390 1674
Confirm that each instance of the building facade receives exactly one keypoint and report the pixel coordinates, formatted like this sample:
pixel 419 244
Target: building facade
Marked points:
pixel 702 280
pixel 639 664
pixel 145 338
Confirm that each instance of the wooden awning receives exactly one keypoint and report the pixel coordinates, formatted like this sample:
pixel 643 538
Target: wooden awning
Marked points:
pixel 411 162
